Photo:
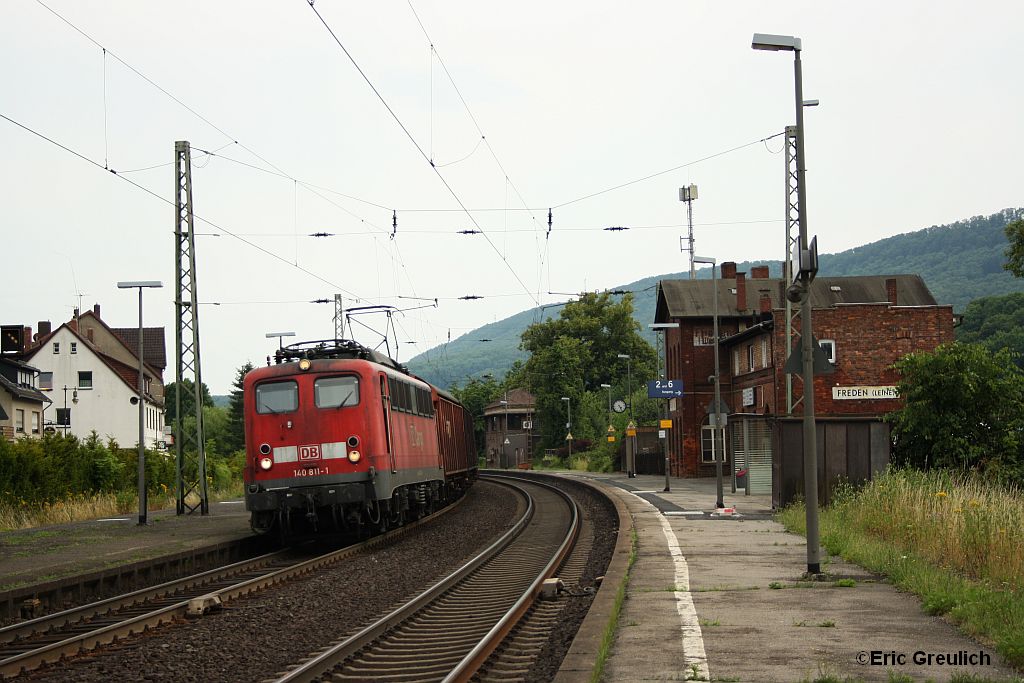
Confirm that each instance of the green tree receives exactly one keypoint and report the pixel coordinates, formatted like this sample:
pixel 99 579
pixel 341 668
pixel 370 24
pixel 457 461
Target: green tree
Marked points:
pixel 1015 251
pixel 573 355
pixel 235 436
pixel 188 401
pixel 964 409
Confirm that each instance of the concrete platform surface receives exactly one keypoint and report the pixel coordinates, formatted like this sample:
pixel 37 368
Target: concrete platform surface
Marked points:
pixel 700 603
pixel 42 554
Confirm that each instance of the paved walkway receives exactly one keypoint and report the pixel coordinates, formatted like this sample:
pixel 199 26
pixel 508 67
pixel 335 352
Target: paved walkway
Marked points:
pixel 700 607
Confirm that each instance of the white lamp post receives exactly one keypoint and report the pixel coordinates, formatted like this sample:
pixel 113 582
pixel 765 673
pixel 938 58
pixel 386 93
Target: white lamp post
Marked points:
pixel 568 425
pixel 664 328
pixel 140 285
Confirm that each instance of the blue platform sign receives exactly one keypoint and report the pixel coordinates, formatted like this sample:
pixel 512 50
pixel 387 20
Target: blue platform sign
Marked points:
pixel 665 388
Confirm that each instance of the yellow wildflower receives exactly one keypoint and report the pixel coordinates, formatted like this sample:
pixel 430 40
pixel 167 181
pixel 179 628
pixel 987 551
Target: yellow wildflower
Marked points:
pixel 973 503
pixel 941 494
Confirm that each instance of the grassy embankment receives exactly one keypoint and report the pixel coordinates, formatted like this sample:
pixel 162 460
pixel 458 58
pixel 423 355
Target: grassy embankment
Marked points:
pixel 25 515
pixel 953 540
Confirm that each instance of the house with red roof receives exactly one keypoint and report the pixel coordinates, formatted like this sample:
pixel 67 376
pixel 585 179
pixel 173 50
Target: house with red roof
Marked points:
pixel 91 371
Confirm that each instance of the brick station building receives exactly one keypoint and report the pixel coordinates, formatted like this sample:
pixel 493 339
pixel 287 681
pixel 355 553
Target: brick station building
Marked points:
pixel 863 323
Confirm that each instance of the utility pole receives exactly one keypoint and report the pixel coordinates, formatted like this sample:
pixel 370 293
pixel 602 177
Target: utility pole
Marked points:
pixel 339 318
pixel 191 464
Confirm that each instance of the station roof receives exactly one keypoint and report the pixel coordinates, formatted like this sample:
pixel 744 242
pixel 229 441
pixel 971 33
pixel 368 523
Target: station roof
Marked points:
pixel 695 298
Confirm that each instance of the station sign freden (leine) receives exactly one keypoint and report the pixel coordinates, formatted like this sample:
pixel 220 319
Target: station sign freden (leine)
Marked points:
pixel 664 388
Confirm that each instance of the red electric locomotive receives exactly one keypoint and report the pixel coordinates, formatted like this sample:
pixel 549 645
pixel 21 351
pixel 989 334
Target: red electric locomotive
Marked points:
pixel 340 436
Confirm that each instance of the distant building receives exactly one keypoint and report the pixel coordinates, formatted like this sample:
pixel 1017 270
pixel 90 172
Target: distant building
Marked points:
pixel 22 405
pixel 90 372
pixel 864 324
pixel 509 425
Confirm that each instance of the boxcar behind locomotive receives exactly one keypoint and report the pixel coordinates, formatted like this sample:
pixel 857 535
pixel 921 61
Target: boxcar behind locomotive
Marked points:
pixel 340 436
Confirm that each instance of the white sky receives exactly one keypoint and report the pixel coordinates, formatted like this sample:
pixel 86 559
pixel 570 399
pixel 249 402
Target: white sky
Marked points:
pixel 919 124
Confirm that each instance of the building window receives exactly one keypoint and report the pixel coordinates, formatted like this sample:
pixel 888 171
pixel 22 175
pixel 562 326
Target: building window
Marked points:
pixel 829 347
pixel 85 379
pixel 764 352
pixel 56 347
pixel 35 422
pixel 707 453
pixel 19 421
pixel 74 347
pixel 735 361
pixel 750 356
pixel 46 381
pixel 63 417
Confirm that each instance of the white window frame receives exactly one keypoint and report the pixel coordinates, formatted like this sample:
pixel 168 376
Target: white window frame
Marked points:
pixel 81 383
pixel 56 347
pixel 750 357
pixel 829 347
pixel 19 421
pixel 36 422
pixel 764 352
pixel 74 347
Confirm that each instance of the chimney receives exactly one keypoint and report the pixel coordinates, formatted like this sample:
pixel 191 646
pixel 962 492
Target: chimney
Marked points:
pixel 759 273
pixel 26 341
pixel 890 290
pixel 44 328
pixel 741 291
pixel 766 300
pixel 96 310
pixel 728 270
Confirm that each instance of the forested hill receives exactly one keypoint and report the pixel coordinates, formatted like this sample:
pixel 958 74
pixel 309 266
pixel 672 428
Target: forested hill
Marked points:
pixel 960 262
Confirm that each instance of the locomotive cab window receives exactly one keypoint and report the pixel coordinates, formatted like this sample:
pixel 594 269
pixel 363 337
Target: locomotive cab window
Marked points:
pixel 277 397
pixel 336 392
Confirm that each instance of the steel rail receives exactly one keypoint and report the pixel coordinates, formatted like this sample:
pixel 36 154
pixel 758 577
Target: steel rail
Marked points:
pixel 322 663
pixel 51 652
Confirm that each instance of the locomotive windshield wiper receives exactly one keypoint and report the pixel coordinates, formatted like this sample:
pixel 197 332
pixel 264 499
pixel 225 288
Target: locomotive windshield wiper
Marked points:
pixel 344 401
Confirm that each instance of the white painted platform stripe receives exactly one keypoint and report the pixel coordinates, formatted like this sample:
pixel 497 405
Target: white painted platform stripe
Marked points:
pixel 693 640
pixel 286 454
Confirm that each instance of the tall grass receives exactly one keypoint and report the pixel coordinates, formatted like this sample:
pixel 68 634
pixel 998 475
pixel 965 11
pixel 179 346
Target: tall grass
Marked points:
pixel 953 540
pixel 25 515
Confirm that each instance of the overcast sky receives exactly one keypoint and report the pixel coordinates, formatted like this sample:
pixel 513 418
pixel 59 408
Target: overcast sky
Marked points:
pixel 919 124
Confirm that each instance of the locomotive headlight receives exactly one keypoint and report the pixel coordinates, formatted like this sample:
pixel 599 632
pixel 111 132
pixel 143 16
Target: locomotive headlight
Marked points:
pixel 266 463
pixel 354 456
pixel 304 364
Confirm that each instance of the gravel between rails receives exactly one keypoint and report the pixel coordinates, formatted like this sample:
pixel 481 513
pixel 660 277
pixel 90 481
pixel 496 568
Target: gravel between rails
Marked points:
pixel 256 637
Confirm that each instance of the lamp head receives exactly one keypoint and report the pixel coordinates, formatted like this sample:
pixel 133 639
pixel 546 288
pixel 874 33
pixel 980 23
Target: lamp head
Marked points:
pixel 774 43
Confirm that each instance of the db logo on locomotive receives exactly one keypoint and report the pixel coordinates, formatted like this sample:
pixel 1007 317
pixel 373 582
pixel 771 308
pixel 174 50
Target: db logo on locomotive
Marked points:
pixel 311 452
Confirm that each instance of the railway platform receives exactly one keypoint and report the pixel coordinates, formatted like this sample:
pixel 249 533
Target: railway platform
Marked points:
pixel 717 598
pixel 45 555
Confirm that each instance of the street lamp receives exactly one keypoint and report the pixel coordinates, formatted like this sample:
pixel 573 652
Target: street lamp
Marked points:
pixel 631 451
pixel 609 388
pixel 504 434
pixel 74 400
pixel 717 411
pixel 664 328
pixel 568 425
pixel 140 285
pixel 802 292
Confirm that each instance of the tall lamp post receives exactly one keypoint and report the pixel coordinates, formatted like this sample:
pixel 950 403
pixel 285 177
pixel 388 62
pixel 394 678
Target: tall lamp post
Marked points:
pixel 74 400
pixel 140 285
pixel 609 388
pixel 800 290
pixel 717 411
pixel 664 328
pixel 568 425
pixel 631 451
pixel 504 434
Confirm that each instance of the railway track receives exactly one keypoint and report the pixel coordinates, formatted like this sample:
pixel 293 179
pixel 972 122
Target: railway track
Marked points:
pixel 28 645
pixel 447 632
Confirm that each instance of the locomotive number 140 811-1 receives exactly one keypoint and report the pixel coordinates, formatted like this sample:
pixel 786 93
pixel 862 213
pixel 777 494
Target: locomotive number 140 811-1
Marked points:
pixel 310 471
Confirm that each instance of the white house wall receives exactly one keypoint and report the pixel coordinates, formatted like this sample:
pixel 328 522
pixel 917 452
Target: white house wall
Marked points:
pixel 106 407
